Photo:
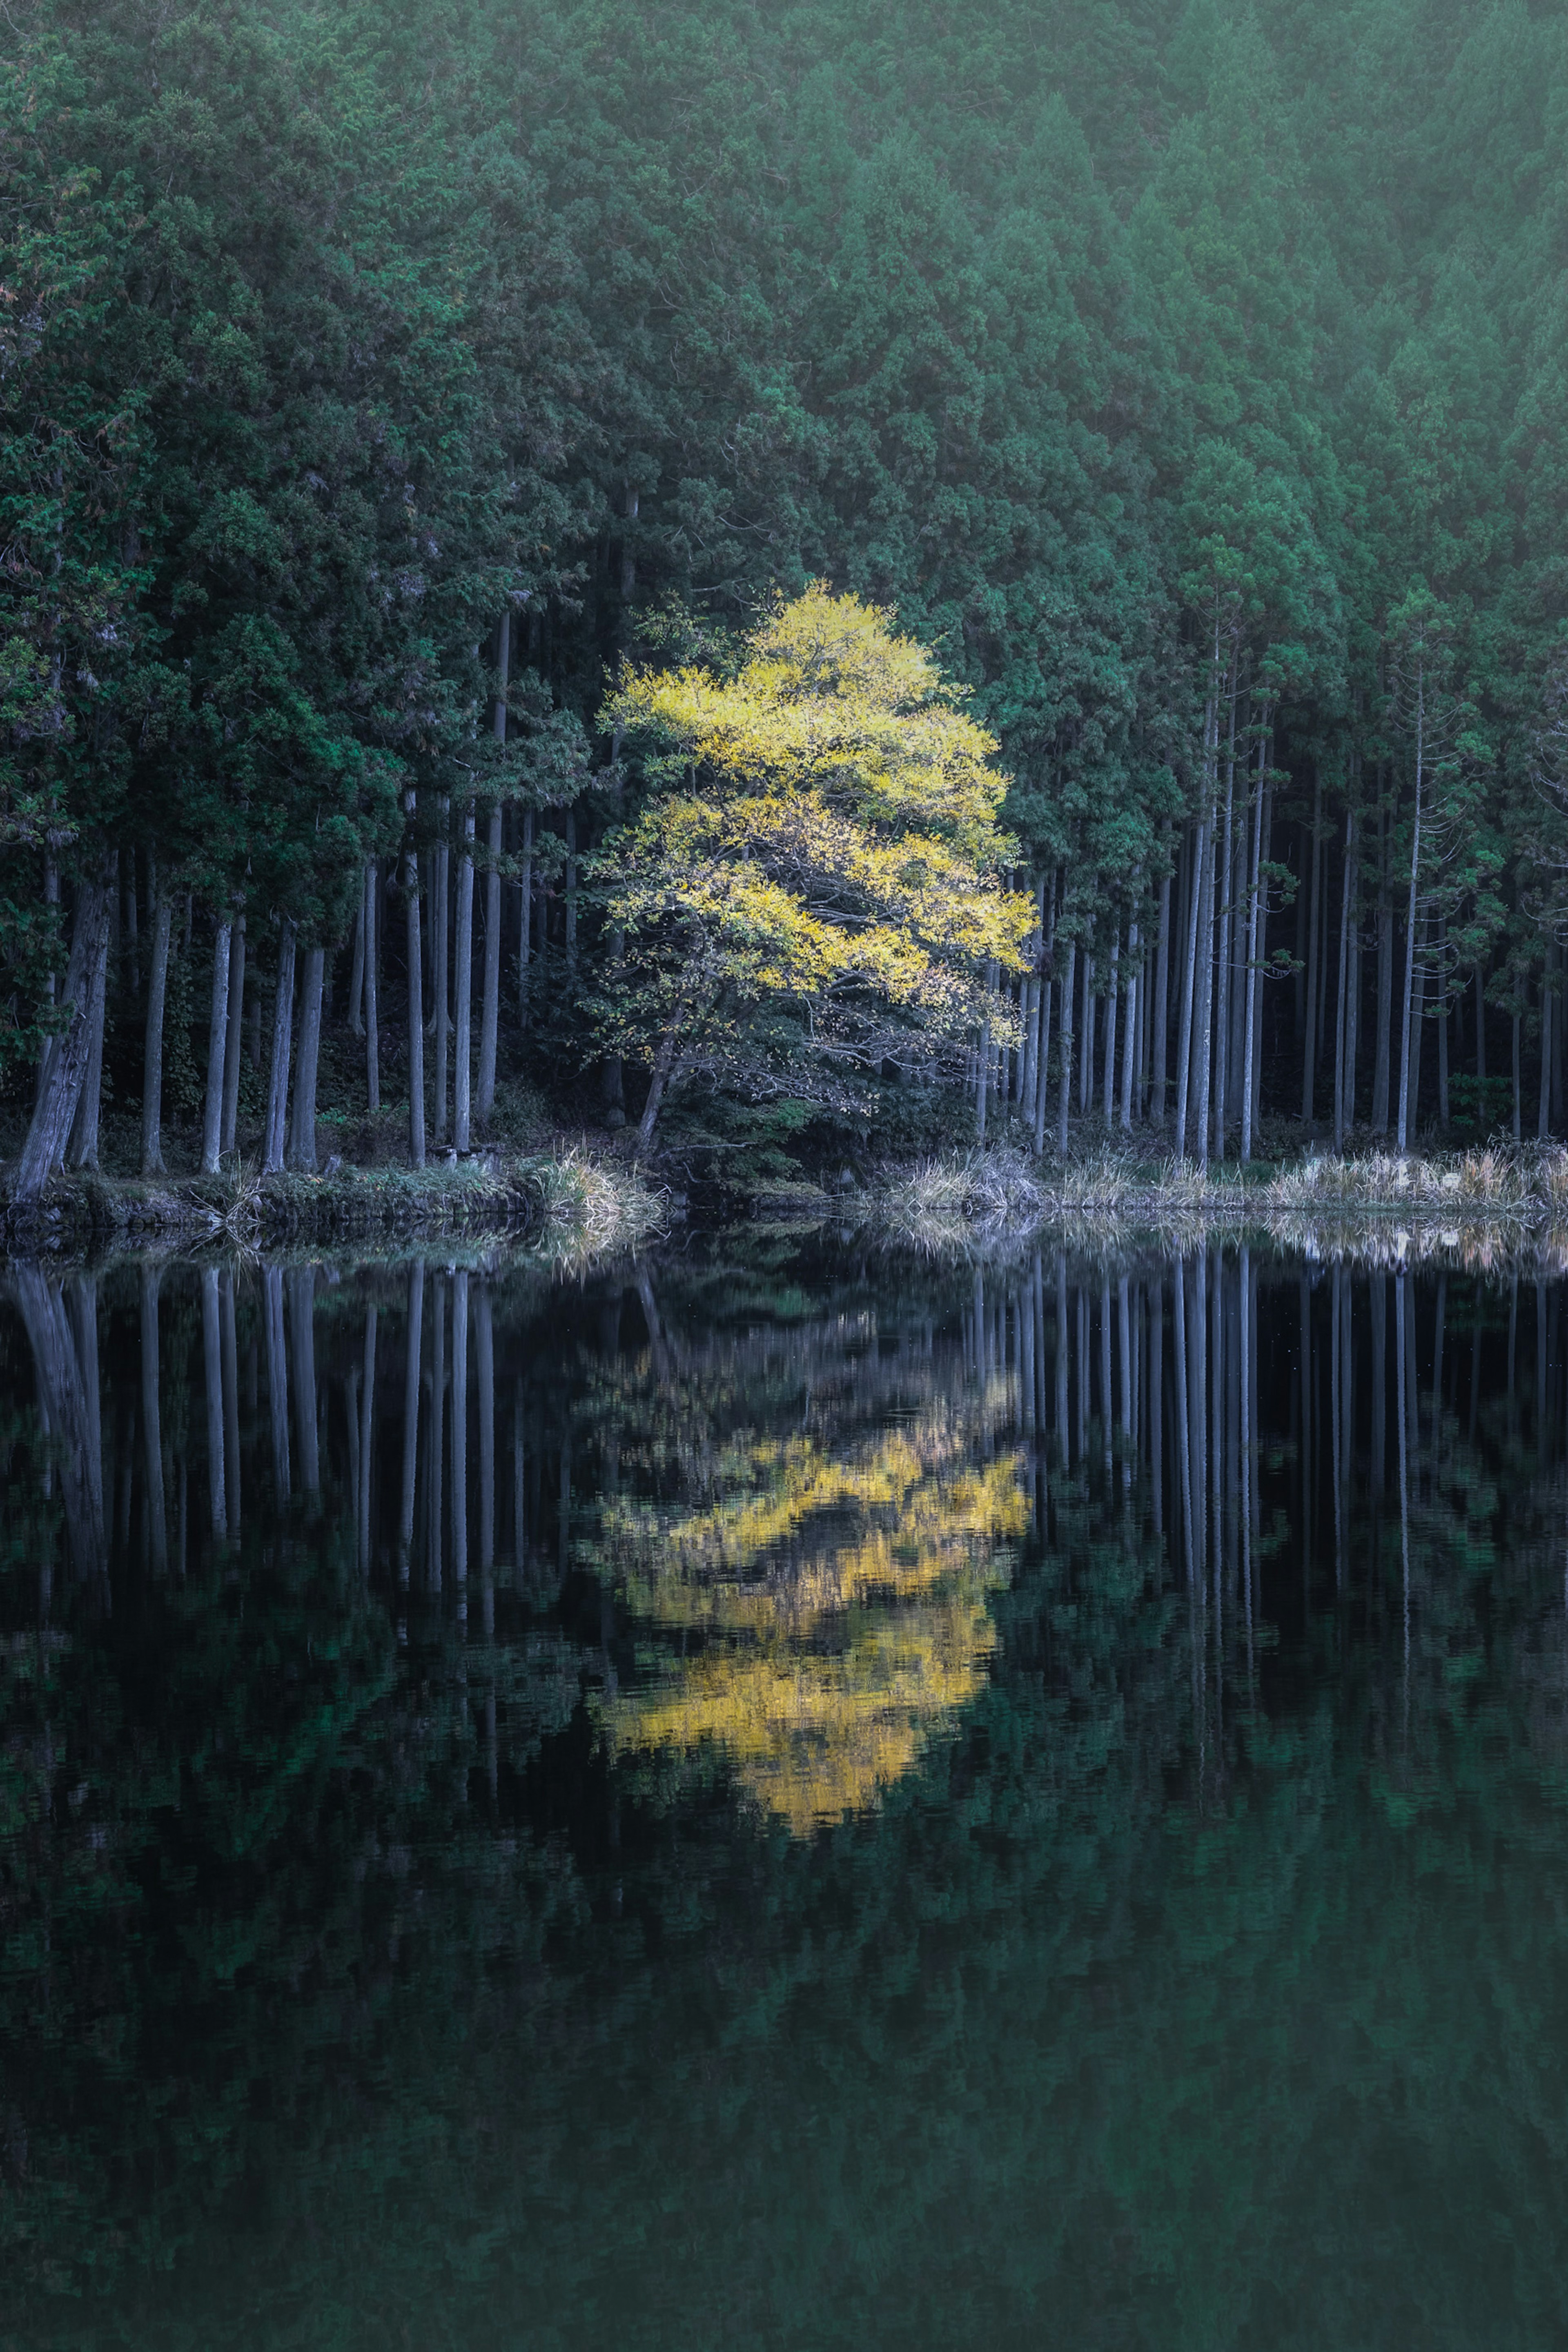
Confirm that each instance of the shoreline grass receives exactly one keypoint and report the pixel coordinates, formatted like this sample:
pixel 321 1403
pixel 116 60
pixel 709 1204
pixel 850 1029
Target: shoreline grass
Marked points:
pixel 1379 1206
pixel 566 1204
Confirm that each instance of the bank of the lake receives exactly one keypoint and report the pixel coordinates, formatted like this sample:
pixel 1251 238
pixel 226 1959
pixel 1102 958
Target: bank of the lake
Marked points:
pixel 1375 1204
pixel 569 1200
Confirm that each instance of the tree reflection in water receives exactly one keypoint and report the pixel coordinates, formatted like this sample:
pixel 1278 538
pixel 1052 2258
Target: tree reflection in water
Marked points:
pixel 486 1766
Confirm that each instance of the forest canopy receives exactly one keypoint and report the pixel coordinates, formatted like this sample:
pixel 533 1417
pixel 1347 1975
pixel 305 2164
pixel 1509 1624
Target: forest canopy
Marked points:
pixel 411 417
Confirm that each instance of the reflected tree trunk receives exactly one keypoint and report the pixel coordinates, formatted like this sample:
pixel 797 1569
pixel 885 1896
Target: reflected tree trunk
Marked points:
pixel 411 1415
pixel 277 1377
pixel 485 1370
pixel 213 1364
pixel 231 1396
pixel 151 1423
pixel 302 1321
pixel 367 1434
pixel 460 1431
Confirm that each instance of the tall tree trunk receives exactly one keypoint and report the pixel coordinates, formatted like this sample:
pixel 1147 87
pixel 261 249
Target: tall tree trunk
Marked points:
pixel 372 928
pixel 1254 916
pixel 1543 1117
pixel 663 1062
pixel 66 1056
pixel 1481 1027
pixel 1406 1107
pixel 463 1039
pixel 1443 1027
pixel 1111 987
pixel 82 1149
pixel 236 1033
pixel 1384 979
pixel 1341 1002
pixel 1314 926
pixel 1064 1100
pixel 490 1013
pixel 1162 1005
pixel 217 1046
pixel 1518 1110
pixel 1188 1016
pixel 525 930
pixel 282 1050
pixel 302 1137
pixel 152 1045
pixel 570 894
pixel 440 922
pixel 1203 1008
pixel 415 1009
pixel 1225 867
pixel 357 968
pixel 1262 936
pixel 1130 1030
pixel 489 1016
pixel 1043 1049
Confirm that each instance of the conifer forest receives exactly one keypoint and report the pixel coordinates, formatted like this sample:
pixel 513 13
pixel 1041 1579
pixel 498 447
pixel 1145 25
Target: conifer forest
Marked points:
pixel 809 576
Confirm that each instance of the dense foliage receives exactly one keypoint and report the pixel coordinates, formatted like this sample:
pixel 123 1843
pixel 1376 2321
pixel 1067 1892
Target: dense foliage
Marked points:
pixel 392 396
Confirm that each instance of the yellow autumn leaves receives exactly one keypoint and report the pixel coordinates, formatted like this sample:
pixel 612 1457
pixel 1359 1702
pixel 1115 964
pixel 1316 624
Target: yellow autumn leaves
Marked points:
pixel 822 850
pixel 831 1611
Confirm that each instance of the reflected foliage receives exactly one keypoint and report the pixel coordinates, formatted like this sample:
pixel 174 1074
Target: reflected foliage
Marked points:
pixel 773 1799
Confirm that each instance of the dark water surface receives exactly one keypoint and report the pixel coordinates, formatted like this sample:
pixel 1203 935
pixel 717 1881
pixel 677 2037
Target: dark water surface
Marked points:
pixel 780 1799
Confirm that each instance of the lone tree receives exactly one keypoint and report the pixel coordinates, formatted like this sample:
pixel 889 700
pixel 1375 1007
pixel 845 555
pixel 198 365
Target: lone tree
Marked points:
pixel 814 886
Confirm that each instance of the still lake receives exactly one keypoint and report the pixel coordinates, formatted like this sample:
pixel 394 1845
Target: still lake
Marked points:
pixel 783 1797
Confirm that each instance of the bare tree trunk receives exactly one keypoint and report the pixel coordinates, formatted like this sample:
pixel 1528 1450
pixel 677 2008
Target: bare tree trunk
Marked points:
pixel 1314 926
pixel 1086 1033
pixel 440 924
pixel 302 1139
pixel 152 1048
pixel 1406 1107
pixel 1203 1008
pixel 1443 1029
pixel 372 930
pixel 1225 862
pixel 415 1009
pixel 1517 1118
pixel 1481 1027
pixel 217 1046
pixel 663 1062
pixel 490 1013
pixel 1342 1009
pixel 525 932
pixel 236 1033
pixel 570 894
pixel 282 1049
pixel 464 1074
pixel 1187 1014
pixel 1384 987
pixel 1543 1117
pixel 1064 1101
pixel 1254 914
pixel 1130 1030
pixel 66 1056
pixel 82 1149
pixel 357 969
pixel 1112 990
pixel 1042 1054
pixel 1162 1005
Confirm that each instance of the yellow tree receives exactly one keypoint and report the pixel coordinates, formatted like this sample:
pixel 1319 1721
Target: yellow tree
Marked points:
pixel 815 885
